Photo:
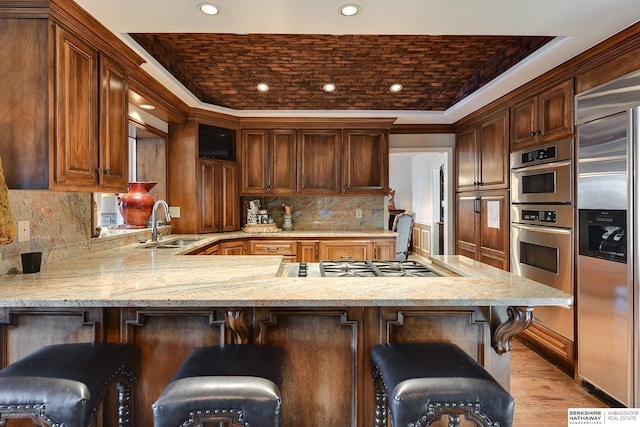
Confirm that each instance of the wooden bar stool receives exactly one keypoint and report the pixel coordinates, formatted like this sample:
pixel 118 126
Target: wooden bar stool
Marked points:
pixel 420 382
pixel 238 384
pixel 63 385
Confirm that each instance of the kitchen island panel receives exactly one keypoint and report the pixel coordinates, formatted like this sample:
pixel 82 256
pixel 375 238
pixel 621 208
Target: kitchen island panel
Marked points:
pixel 468 327
pixel 165 339
pixel 24 330
pixel 323 374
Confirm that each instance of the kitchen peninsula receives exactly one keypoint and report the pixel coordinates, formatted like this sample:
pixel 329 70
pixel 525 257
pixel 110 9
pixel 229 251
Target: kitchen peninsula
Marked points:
pixel 168 303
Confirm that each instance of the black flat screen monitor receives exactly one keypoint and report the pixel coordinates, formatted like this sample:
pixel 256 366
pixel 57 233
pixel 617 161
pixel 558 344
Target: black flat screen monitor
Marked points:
pixel 216 143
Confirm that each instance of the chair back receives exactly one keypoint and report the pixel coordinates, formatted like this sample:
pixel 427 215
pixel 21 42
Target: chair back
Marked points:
pixel 403 225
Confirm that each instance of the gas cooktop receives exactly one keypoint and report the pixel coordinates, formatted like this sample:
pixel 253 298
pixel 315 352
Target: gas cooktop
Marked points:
pixel 369 268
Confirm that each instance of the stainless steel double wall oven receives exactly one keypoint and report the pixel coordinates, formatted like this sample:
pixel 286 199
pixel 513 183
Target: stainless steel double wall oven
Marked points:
pixel 541 225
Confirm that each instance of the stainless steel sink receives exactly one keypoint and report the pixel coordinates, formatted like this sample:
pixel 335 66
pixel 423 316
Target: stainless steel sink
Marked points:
pixel 170 243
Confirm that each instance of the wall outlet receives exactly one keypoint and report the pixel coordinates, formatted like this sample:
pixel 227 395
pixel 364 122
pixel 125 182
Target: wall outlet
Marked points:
pixel 24 231
pixel 358 213
pixel 174 211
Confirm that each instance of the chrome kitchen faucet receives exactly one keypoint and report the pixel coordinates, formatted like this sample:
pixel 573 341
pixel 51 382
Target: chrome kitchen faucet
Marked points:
pixel 154 222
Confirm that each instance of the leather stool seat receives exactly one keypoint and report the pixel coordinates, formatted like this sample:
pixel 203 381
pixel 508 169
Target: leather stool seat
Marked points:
pixel 63 384
pixel 237 383
pixel 422 381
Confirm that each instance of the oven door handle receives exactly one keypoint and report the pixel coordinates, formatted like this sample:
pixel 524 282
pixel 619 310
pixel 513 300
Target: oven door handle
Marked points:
pixel 541 229
pixel 543 166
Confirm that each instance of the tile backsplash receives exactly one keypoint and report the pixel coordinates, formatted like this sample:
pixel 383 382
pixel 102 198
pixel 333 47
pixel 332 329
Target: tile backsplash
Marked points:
pixel 326 213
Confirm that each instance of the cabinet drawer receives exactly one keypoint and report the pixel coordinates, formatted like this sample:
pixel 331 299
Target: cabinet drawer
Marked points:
pixel 272 247
pixel 352 250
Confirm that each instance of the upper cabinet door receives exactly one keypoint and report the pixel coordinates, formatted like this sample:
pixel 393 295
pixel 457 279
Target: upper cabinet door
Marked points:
pixel 494 151
pixel 320 166
pixel 254 150
pixel 555 112
pixel 282 162
pixel 466 150
pixel 524 123
pixel 75 153
pixel 482 154
pixel 114 126
pixel 546 117
pixel 366 161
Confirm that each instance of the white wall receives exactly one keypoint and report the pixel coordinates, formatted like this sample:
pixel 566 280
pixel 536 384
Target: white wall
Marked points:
pixel 422 186
pixel 419 157
pixel 400 178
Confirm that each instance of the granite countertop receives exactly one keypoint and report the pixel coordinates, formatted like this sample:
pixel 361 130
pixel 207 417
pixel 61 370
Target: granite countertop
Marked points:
pixel 134 276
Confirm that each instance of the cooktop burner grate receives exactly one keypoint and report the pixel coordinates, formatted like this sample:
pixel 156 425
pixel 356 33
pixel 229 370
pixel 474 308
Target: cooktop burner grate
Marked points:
pixel 338 268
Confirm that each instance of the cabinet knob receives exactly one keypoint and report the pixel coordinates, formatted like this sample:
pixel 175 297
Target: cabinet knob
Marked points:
pixel 107 171
pixel 538 133
pixel 99 171
pixel 533 133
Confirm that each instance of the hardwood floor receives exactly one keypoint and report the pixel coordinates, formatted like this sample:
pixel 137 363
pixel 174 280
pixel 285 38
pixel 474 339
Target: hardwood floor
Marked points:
pixel 543 393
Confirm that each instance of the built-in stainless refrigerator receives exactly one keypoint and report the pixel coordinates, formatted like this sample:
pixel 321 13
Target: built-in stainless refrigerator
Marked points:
pixel 608 237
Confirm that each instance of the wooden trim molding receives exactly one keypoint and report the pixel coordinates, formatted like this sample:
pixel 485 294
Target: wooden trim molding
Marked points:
pixel 422 129
pixel 75 19
pixel 421 239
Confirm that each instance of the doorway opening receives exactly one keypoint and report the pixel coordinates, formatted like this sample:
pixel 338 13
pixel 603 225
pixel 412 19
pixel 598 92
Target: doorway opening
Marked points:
pixel 421 178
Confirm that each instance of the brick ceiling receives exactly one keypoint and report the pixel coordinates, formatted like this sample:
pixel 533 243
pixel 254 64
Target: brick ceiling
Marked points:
pixel 435 71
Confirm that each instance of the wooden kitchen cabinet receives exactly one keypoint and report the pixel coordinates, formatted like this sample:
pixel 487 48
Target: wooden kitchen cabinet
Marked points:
pixel 206 190
pixel 483 227
pixel 269 161
pixel 366 162
pixel 545 117
pixel 384 250
pixel 91 99
pixel 320 161
pixel 352 250
pixel 287 248
pixel 233 247
pixel 308 251
pixel 65 100
pixel 218 196
pixel 482 154
pixel 76 102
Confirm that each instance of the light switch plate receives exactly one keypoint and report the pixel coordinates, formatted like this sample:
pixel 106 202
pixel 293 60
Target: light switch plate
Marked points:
pixel 174 211
pixel 358 213
pixel 24 231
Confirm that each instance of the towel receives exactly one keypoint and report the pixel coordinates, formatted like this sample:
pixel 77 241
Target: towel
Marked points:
pixel 8 228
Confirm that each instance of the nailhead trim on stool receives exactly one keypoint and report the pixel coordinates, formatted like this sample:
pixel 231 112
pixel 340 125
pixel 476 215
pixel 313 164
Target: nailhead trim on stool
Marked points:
pixel 420 382
pixel 63 385
pixel 237 383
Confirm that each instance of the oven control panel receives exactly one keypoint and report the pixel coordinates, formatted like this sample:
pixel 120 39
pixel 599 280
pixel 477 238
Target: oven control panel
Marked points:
pixel 550 216
pixel 540 154
pixel 556 216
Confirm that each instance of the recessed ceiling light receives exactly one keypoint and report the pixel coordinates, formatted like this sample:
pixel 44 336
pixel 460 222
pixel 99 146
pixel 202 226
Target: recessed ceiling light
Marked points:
pixel 262 87
pixel 329 87
pixel 147 106
pixel 349 9
pixel 208 8
pixel 396 87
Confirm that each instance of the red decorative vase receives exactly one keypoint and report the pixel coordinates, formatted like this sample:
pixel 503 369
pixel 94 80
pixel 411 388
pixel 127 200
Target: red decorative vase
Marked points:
pixel 136 205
